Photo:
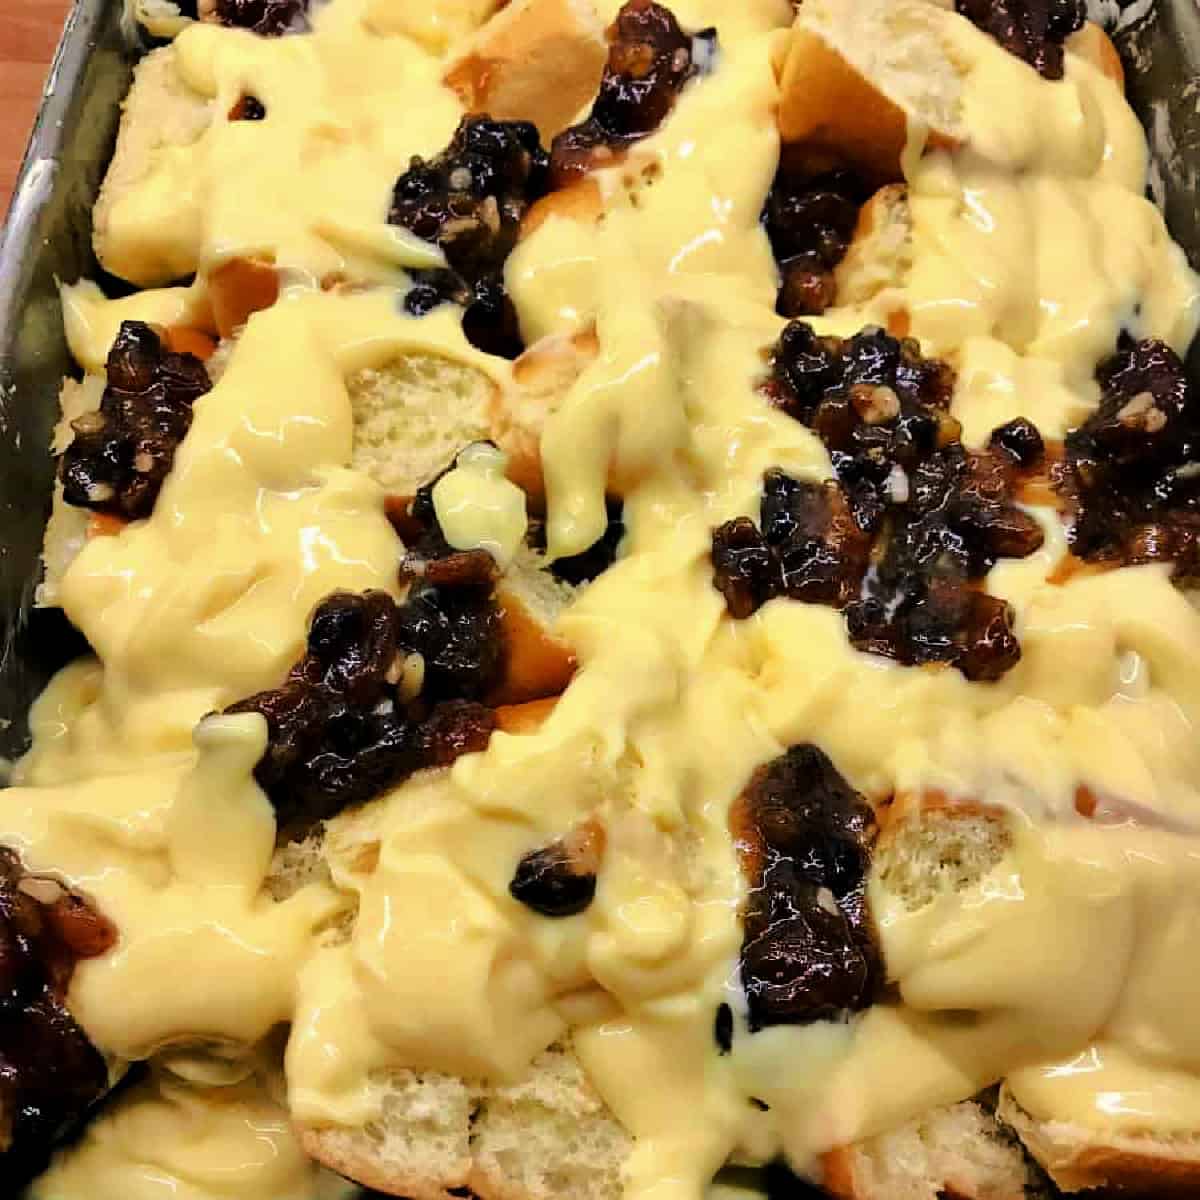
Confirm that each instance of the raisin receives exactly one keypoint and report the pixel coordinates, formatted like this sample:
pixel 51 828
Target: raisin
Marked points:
pixel 122 452
pixel 650 59
pixel 1129 474
pixel 723 1029
pixel 455 728
pixel 809 221
pixel 804 836
pixel 902 539
pixel 50 1074
pixel 457 632
pixel 552 881
pixel 745 570
pixel 470 200
pixel 1020 439
pixel 271 18
pixel 1033 30
pixel 248 108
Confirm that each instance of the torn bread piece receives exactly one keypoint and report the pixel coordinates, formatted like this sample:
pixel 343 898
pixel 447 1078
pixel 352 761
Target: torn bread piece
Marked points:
pixel 536 60
pixel 1078 1158
pixel 546 1137
pixel 542 376
pixel 856 72
pixel 160 113
pixel 880 255
pixel 961 1150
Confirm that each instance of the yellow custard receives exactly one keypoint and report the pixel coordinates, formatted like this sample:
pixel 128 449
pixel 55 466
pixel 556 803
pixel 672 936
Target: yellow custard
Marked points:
pixel 1069 957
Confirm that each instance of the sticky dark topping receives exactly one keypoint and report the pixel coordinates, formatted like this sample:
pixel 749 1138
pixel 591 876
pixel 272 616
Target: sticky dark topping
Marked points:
pixel 50 1074
pixel 650 58
pixel 122 452
pixel 588 564
pixel 901 541
pixel 809 221
pixel 248 108
pixel 384 690
pixel 1033 30
pixel 1130 474
pixel 271 18
pixel 804 837
pixel 559 880
pixel 470 200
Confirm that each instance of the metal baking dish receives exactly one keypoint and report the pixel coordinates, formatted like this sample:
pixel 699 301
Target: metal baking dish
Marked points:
pixel 48 238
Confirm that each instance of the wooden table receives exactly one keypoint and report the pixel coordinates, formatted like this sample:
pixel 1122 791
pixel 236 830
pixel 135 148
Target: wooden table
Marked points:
pixel 29 32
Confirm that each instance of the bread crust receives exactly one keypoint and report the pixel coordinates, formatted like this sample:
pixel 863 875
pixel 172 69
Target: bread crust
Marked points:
pixel 1077 1158
pixel 541 377
pixel 239 287
pixel 535 60
pixel 834 115
pixel 540 664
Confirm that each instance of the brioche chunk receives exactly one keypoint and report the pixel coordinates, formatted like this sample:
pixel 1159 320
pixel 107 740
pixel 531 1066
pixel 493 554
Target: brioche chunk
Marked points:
pixel 961 1151
pixel 543 1138
pixel 159 113
pixel 856 70
pixel 536 60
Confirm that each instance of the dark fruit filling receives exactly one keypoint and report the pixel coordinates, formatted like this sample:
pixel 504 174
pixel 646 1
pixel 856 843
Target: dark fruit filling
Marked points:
pixel 470 201
pixel 384 690
pixel 271 18
pixel 121 453
pixel 50 1074
pixel 1130 473
pixel 809 221
pixel 804 836
pixel 1033 30
pixel 902 539
pixel 650 58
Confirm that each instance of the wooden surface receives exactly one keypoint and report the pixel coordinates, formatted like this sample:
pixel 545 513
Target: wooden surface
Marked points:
pixel 29 32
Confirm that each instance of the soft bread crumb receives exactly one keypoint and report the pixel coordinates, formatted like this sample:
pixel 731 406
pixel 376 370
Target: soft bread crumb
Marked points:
pixel 549 1136
pixel 939 852
pixel 417 1146
pixel 880 255
pixel 413 415
pixel 962 1150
